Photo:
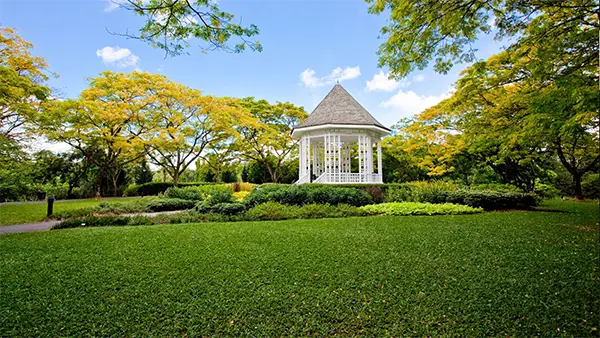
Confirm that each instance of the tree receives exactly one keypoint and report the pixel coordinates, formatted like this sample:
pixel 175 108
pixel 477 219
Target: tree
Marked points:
pixel 171 24
pixel 218 158
pixel 420 31
pixel 269 141
pixel 105 122
pixel 183 123
pixel 21 84
pixel 142 172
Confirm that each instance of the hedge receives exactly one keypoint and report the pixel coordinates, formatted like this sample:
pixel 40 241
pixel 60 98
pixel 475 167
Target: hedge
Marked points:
pixel 155 188
pixel 306 194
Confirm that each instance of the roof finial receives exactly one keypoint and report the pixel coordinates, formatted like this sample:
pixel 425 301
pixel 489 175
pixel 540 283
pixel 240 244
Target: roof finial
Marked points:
pixel 337 81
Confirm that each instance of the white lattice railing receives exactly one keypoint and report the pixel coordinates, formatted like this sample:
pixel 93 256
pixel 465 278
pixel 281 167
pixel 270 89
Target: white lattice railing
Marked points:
pixel 341 178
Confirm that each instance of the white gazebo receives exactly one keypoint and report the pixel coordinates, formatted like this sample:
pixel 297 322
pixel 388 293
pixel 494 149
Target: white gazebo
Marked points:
pixel 338 130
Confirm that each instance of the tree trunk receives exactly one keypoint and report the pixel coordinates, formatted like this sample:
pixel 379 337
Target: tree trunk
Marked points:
pixel 218 176
pixel 175 177
pixel 578 191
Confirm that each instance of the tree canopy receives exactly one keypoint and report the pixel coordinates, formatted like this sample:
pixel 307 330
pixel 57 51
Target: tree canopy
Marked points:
pixel 443 32
pixel 171 25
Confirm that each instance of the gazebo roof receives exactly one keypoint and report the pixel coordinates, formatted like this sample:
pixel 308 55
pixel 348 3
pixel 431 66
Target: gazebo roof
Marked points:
pixel 340 108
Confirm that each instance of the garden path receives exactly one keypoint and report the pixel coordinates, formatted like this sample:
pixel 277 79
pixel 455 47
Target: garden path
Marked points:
pixel 46 225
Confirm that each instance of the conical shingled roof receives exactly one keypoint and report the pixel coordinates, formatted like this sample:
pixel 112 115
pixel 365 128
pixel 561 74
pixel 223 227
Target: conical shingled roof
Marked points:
pixel 339 107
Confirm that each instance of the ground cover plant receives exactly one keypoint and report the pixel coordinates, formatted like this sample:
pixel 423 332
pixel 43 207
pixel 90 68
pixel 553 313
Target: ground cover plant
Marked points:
pixel 489 274
pixel 414 208
pixel 28 213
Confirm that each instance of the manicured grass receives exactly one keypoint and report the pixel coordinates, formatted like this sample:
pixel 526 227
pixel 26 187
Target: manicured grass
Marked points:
pixel 491 274
pixel 29 213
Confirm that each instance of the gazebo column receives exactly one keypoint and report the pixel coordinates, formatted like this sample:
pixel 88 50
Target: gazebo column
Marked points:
pixel 379 162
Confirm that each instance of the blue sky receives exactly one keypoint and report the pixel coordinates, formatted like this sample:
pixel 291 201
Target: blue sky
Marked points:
pixel 307 46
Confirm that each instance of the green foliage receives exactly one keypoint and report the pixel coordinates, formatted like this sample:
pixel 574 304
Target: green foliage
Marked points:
pixel 590 185
pixel 187 193
pixel 278 211
pixel 430 192
pixel 496 187
pixel 142 173
pixel 92 221
pixel 173 25
pixel 305 194
pixel 169 204
pixel 546 191
pixel 414 208
pixel 217 196
pixel 155 188
pixel 492 200
pixel 223 208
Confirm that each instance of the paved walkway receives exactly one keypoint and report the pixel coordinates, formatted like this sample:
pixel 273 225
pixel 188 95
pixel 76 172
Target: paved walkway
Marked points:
pixel 46 225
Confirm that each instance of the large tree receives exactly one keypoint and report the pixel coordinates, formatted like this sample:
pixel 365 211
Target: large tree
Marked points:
pixel 106 118
pixel 22 78
pixel 268 141
pixel 171 25
pixel 183 123
pixel 421 31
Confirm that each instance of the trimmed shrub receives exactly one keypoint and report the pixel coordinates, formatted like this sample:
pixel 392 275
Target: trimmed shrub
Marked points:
pixel 93 221
pixel 496 187
pixel 220 196
pixel 187 193
pixel 226 208
pixel 155 188
pixel 414 208
pixel 169 204
pixel 545 191
pixel 492 200
pixel 277 211
pixel 300 195
pixel 272 211
pixel 147 189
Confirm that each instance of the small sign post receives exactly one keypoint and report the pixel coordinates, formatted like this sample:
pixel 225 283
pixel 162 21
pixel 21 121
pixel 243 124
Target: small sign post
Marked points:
pixel 50 205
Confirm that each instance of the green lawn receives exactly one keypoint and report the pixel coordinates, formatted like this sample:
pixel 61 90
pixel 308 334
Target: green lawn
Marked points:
pixel 491 274
pixel 29 213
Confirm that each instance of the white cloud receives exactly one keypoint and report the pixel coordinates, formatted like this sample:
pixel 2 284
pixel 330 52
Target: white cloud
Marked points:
pixel 418 77
pixel 409 103
pixel 117 56
pixel 112 5
pixel 308 78
pixel 382 82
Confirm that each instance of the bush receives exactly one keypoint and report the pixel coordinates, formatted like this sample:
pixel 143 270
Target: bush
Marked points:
pixel 93 221
pixel 187 193
pixel 496 187
pixel 306 194
pixel 242 186
pixel 546 191
pixel 427 192
pixel 220 196
pixel 590 185
pixel 169 204
pixel 492 200
pixel 277 211
pixel 147 189
pixel 226 208
pixel 271 211
pixel 414 208
pixel 155 188
pixel 240 195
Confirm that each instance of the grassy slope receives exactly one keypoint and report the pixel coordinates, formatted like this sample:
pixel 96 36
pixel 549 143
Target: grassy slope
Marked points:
pixel 506 273
pixel 29 213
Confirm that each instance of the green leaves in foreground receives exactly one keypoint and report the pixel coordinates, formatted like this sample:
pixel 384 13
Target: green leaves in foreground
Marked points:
pixel 412 208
